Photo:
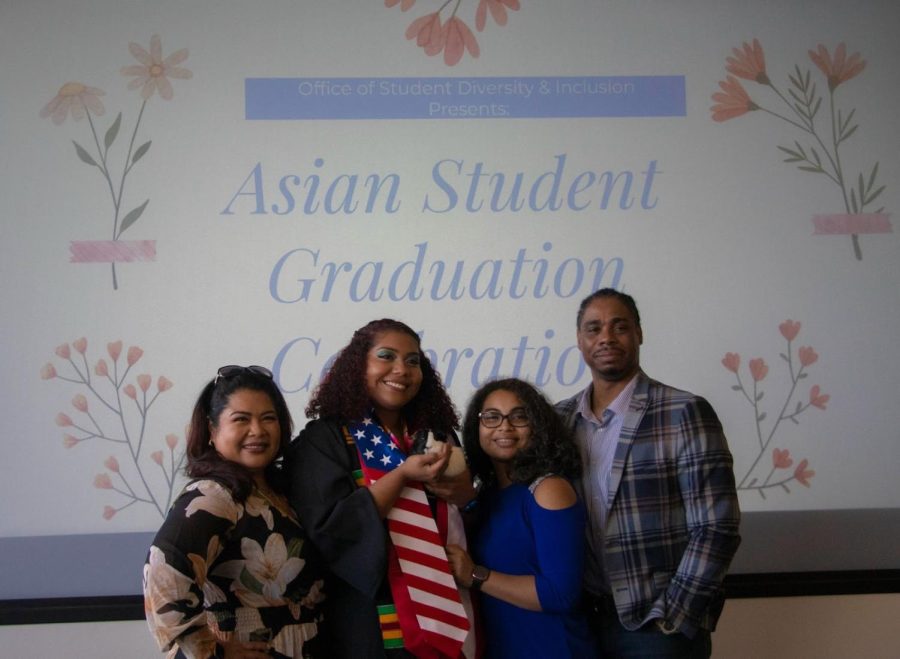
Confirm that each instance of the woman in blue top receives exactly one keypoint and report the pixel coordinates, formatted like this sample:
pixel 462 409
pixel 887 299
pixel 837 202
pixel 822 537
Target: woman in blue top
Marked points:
pixel 529 550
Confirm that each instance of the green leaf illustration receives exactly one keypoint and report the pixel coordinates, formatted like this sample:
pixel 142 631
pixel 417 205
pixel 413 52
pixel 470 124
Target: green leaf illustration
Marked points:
pixel 132 217
pixel 872 197
pixel 141 150
pixel 84 155
pixel 872 177
pixel 113 131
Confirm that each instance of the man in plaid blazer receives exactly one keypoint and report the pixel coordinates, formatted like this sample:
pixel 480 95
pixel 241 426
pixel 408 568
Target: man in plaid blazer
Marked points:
pixel 659 488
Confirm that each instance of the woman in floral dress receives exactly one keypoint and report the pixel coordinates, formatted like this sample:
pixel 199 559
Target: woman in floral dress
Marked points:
pixel 230 573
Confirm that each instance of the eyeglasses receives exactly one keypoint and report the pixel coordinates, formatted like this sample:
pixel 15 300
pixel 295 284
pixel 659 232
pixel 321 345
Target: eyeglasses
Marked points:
pixel 493 419
pixel 233 369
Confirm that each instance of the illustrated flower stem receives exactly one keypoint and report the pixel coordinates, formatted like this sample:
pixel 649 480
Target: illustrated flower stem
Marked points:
pixel 768 486
pixel 771 472
pixel 756 415
pixel 775 425
pixel 128 164
pixel 857 250
pixel 809 127
pixel 115 200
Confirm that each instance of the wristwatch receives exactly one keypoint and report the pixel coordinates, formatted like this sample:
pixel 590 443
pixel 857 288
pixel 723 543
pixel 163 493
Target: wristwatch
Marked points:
pixel 480 574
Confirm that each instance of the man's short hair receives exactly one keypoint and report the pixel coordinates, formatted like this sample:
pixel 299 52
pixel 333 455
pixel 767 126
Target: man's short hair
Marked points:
pixel 624 298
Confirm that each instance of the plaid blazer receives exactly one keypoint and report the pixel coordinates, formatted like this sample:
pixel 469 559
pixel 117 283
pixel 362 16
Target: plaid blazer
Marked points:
pixel 673 518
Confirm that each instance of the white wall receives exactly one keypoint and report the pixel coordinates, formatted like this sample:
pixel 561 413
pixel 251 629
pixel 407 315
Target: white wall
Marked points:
pixel 788 627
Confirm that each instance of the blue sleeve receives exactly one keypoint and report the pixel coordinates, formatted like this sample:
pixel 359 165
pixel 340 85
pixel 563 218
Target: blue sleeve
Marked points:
pixel 559 547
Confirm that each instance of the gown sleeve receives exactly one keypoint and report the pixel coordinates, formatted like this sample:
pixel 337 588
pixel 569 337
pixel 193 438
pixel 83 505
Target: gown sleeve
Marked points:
pixel 339 516
pixel 175 584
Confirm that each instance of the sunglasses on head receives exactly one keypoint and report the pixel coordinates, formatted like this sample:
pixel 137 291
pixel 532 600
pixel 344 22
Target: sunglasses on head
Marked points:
pixel 234 369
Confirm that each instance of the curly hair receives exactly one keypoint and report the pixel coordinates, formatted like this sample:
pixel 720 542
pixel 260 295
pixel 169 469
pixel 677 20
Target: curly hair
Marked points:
pixel 203 461
pixel 552 448
pixel 342 393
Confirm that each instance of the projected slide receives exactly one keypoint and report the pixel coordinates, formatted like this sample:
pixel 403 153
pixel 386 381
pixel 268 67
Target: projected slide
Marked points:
pixel 206 184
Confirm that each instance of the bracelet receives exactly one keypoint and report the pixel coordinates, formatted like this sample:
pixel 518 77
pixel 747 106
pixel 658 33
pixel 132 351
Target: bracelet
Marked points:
pixel 665 627
pixel 473 504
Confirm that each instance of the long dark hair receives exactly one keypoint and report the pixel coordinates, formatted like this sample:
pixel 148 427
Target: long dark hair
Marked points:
pixel 203 461
pixel 342 394
pixel 552 449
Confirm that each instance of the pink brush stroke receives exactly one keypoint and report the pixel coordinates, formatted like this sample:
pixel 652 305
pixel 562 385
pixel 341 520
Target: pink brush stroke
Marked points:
pixel 844 224
pixel 112 251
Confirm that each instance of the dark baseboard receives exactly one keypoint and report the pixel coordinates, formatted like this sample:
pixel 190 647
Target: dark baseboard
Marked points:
pixel 737 586
pixel 794 584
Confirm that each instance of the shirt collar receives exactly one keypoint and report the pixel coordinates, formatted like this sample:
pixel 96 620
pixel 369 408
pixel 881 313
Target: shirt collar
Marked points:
pixel 618 407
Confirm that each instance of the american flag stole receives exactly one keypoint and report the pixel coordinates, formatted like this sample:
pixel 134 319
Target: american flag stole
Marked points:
pixel 428 604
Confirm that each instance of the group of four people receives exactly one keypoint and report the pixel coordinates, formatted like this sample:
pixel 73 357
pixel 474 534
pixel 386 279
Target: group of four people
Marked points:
pixel 603 527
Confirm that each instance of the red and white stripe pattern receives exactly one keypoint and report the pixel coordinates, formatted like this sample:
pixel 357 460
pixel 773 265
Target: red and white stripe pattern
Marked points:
pixel 424 563
pixel 435 601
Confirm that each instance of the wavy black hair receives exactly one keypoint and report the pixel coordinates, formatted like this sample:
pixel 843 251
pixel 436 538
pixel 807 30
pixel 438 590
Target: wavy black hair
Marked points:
pixel 342 392
pixel 203 461
pixel 552 449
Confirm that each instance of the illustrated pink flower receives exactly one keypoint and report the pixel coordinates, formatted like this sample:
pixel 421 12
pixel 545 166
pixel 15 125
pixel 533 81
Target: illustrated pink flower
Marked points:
pixel 817 399
pixel 781 458
pixel 458 38
pixel 498 11
pixel 69 441
pixel 130 391
pixel 144 381
pixel 101 368
pixel 748 63
pixel 63 351
pixel 732 101
pixel 153 72
pixel 171 441
pixel 108 512
pixel 427 32
pixel 802 474
pixel 114 349
pixel 48 372
pixel 841 68
pixel 731 361
pixel 63 420
pixel 111 463
pixel 758 368
pixel 103 482
pixel 404 4
pixel 80 403
pixel 157 457
pixel 789 329
pixel 80 344
pixel 807 356
pixel 74 97
pixel 163 383
pixel 134 354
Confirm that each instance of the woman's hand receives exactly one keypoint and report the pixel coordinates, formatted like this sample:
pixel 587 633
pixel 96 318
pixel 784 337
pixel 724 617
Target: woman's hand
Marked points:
pixel 426 467
pixel 461 564
pixel 235 649
pixel 457 490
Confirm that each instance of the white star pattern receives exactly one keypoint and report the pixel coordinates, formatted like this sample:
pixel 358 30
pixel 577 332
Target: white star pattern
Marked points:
pixel 367 422
pixel 369 453
pixel 376 440
pixel 386 460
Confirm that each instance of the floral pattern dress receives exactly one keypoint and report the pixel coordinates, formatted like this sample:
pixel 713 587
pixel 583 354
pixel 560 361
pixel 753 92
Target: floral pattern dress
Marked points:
pixel 219 569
